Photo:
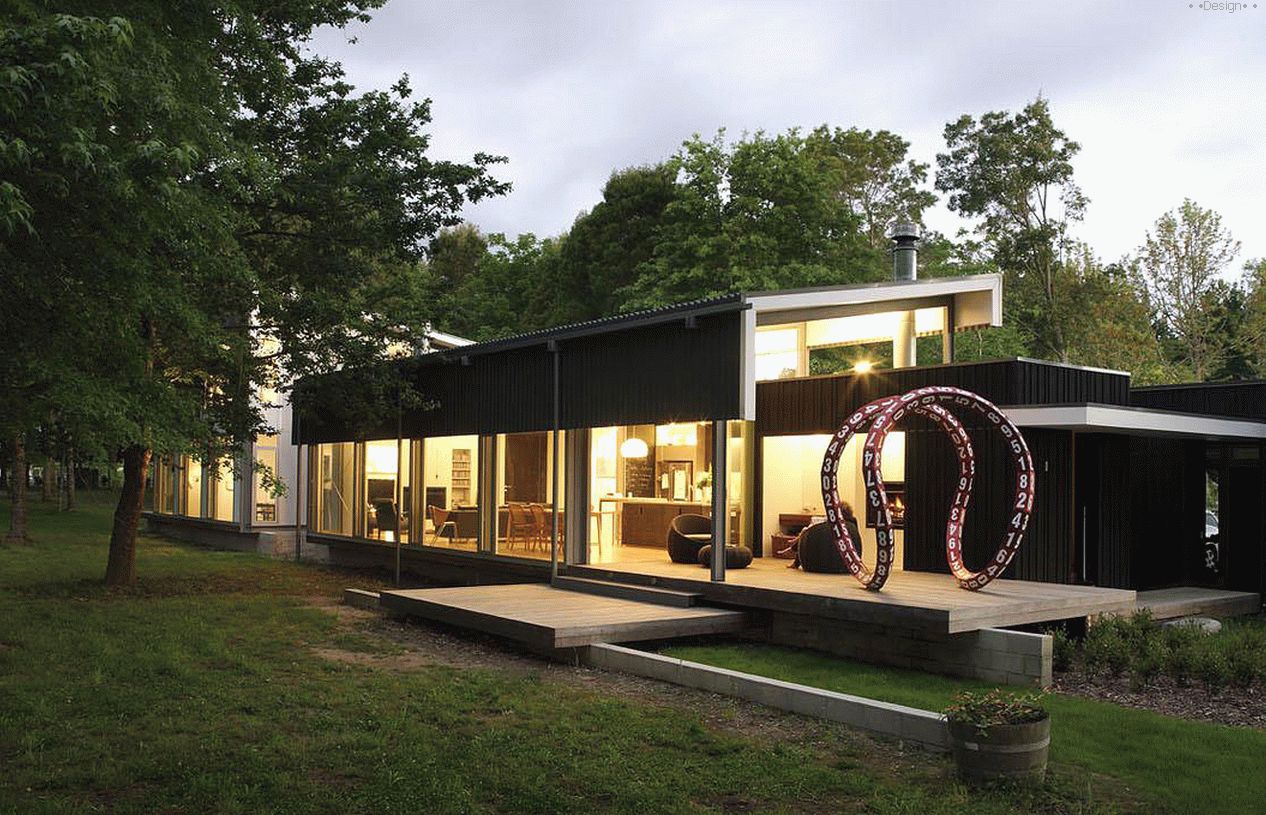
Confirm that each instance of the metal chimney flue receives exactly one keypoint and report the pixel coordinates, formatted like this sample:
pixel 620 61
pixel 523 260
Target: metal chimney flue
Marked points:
pixel 905 251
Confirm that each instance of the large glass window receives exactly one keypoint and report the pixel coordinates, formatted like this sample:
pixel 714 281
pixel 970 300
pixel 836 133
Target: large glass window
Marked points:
pixel 525 503
pixel 265 471
pixel 192 501
pixel 642 477
pixel 164 494
pixel 386 490
pixel 791 489
pixel 450 492
pixel 222 492
pixel 334 489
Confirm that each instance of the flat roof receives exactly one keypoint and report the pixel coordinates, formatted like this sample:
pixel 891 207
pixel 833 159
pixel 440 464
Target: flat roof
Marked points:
pixel 977 300
pixel 1135 420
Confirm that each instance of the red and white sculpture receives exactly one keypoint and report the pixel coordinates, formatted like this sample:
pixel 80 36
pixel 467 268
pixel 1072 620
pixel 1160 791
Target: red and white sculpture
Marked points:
pixel 878 419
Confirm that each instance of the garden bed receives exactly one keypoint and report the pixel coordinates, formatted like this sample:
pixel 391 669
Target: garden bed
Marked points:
pixel 1236 706
pixel 1173 669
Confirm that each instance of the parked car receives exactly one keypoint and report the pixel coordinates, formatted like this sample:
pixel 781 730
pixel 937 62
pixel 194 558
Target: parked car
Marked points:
pixel 1212 543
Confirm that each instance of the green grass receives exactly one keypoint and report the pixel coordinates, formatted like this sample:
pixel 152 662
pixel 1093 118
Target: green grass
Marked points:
pixel 199 691
pixel 1181 766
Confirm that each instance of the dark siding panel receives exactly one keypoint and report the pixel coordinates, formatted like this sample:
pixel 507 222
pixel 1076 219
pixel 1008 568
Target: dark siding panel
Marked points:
pixel 1047 551
pixel 1245 400
pixel 649 373
pixel 1243 528
pixel 1102 510
pixel 1167 500
pixel 820 404
pixel 658 373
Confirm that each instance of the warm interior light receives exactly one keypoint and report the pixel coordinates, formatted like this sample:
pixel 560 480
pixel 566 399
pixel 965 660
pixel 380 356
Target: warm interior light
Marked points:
pixel 380 457
pixel 863 366
pixel 634 447
pixel 676 435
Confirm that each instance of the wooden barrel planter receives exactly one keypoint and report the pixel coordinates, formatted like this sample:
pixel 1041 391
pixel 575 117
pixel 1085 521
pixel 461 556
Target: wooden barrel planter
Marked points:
pixel 1001 752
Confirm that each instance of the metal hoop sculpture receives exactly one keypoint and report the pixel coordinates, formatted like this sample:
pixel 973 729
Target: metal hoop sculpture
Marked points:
pixel 879 418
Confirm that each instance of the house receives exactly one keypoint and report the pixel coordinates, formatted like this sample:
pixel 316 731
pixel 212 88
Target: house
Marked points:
pixel 568 453
pixel 235 504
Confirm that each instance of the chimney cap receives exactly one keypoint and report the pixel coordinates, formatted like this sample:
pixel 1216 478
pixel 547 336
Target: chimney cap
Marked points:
pixel 904 229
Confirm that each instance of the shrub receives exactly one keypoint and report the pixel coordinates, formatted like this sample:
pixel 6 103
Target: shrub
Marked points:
pixel 1106 647
pixel 1149 660
pixel 1063 650
pixel 1183 660
pixel 1215 668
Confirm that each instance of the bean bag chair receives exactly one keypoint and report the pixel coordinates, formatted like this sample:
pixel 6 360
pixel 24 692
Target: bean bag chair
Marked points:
pixel 818 552
pixel 687 534
pixel 736 557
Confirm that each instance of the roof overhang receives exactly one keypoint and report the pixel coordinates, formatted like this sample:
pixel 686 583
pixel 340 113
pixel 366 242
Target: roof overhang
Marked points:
pixel 974 301
pixel 1135 421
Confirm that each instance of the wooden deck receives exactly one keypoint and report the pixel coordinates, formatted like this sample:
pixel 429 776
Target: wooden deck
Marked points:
pixel 1188 601
pixel 547 618
pixel 913 600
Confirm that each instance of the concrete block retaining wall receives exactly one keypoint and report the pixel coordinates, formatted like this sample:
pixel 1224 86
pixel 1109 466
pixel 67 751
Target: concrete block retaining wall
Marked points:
pixel 909 724
pixel 992 654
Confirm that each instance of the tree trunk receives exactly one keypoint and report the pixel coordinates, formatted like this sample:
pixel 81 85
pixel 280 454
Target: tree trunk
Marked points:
pixel 48 483
pixel 70 478
pixel 121 567
pixel 17 493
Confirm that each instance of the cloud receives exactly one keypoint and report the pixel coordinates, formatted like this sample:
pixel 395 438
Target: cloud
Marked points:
pixel 1167 101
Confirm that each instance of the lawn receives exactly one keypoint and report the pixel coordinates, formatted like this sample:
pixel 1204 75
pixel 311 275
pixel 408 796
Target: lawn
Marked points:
pixel 207 688
pixel 1180 766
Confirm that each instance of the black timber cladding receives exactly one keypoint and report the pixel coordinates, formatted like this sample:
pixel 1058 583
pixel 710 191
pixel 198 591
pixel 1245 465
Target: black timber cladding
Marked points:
pixel 1243 400
pixel 820 404
pixel 680 363
pixel 1050 552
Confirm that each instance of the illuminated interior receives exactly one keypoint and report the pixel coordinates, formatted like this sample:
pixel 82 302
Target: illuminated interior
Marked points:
pixel 643 476
pixel 265 501
pixel 387 490
pixel 450 492
pixel 223 507
pixel 792 487
pixel 831 345
pixel 191 503
pixel 525 508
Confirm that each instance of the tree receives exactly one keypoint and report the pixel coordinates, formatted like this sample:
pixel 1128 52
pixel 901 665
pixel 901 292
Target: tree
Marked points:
pixel 873 177
pixel 606 248
pixel 1180 261
pixel 1014 172
pixel 232 210
pixel 1109 324
pixel 1253 337
pixel 757 214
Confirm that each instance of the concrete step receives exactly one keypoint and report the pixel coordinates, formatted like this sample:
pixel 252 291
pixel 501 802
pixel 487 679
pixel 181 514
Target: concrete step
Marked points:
pixel 627 591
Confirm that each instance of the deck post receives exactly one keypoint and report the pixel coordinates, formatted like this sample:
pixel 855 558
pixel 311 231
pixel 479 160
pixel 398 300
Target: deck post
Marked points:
pixel 553 539
pixel 720 504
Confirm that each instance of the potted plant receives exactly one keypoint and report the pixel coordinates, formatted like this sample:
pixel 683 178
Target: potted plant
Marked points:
pixel 999 735
pixel 703 482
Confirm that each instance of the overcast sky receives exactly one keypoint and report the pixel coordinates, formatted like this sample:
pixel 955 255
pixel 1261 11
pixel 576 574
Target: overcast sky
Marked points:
pixel 1167 100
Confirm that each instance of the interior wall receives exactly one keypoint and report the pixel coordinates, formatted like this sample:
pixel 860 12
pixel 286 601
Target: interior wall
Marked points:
pixel 791 482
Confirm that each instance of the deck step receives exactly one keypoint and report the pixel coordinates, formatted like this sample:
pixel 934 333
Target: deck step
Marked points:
pixel 627 591
pixel 1187 601
pixel 547 619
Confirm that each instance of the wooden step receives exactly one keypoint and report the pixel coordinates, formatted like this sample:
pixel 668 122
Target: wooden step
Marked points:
pixel 547 619
pixel 627 591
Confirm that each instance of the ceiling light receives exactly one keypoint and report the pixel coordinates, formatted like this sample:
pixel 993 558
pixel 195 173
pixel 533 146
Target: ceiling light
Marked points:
pixel 634 447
